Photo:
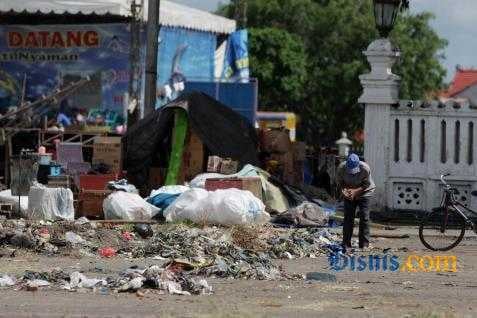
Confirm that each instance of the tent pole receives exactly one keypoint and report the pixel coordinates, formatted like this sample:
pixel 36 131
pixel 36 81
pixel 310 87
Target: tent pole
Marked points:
pixel 178 142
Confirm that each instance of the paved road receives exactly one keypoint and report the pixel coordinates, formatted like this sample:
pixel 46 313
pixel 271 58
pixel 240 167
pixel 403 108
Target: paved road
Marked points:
pixel 355 294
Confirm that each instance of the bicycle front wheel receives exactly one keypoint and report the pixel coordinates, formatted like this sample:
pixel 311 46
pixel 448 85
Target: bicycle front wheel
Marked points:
pixel 441 232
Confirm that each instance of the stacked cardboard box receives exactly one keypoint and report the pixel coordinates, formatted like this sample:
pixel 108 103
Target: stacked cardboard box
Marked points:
pixel 108 150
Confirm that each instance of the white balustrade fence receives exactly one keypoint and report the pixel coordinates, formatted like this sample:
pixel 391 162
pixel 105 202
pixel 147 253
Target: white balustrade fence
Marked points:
pixel 426 140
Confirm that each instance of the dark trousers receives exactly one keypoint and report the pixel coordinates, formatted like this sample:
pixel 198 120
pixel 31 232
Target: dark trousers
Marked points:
pixel 348 223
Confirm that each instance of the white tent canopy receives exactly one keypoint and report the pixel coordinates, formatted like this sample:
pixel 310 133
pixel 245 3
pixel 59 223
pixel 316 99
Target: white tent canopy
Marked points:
pixel 172 14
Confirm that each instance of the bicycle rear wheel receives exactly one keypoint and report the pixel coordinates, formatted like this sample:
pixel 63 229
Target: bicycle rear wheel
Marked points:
pixel 439 233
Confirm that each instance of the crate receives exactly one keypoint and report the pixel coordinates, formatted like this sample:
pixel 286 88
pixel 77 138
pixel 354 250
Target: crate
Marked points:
pixel 95 181
pixel 90 203
pixel 252 184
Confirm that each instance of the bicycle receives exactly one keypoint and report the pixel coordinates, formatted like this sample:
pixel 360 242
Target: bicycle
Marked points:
pixel 448 222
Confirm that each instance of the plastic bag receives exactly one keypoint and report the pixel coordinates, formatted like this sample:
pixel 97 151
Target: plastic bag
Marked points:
pixel 128 206
pixel 226 207
pixel 50 204
pixel 7 197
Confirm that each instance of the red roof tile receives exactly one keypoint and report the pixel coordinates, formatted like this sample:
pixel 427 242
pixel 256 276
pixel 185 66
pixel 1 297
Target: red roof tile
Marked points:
pixel 463 79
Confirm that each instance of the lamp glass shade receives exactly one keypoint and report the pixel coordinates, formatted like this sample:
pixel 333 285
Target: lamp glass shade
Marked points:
pixel 385 13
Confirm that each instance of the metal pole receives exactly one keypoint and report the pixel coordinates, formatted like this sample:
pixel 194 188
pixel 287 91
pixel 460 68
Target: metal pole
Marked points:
pixel 135 64
pixel 151 56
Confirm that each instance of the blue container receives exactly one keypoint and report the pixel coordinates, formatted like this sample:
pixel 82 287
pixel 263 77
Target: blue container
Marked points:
pixel 55 170
pixel 241 97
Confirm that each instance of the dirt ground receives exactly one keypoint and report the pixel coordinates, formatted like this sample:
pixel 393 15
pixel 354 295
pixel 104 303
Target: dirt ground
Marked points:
pixel 354 294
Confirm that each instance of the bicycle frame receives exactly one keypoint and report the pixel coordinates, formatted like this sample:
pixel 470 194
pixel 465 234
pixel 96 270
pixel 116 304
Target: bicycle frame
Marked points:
pixel 449 200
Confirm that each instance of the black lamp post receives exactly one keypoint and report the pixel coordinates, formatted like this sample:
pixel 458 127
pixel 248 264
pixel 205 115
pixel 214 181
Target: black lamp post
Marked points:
pixel 385 13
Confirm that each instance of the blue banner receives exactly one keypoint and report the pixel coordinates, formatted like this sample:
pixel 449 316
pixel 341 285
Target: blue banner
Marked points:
pixel 48 56
pixel 236 66
pixel 184 55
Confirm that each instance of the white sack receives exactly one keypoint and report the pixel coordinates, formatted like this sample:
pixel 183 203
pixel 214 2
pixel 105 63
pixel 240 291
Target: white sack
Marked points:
pixel 128 206
pixel 50 204
pixel 171 189
pixel 226 207
pixel 6 196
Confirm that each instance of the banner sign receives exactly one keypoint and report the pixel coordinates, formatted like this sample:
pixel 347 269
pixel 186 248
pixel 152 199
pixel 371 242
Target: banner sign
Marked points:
pixel 184 55
pixel 49 56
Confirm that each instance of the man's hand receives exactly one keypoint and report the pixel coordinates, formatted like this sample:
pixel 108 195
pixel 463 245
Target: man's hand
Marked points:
pixel 347 193
pixel 356 193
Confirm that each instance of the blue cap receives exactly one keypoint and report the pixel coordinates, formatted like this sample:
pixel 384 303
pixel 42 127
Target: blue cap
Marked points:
pixel 352 164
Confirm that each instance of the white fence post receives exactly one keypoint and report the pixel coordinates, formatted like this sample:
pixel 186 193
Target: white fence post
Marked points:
pixel 380 91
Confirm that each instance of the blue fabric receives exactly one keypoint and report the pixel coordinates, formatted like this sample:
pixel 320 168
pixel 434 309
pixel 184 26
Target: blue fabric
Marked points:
pixel 163 200
pixel 236 66
pixel 63 120
pixel 184 55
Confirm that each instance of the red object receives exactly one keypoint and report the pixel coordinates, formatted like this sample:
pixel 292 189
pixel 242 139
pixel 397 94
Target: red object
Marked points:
pixel 95 181
pixel 463 79
pixel 107 252
pixel 127 236
pixel 44 231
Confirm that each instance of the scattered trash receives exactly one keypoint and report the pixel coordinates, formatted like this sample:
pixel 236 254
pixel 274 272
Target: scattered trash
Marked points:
pixel 107 252
pixel 78 280
pixel 82 221
pixel 35 284
pixel 6 281
pixel 128 236
pixel 144 230
pixel 322 277
pixel 74 238
pixel 306 214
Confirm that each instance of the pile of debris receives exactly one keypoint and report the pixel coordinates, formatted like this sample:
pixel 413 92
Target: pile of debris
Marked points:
pixel 236 252
pixel 170 279
pixel 210 252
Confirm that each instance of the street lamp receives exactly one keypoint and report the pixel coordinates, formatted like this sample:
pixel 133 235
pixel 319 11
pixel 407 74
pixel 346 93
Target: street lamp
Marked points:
pixel 385 13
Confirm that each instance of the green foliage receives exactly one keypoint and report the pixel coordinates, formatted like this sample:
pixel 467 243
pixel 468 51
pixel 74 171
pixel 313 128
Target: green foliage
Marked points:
pixel 307 56
pixel 278 59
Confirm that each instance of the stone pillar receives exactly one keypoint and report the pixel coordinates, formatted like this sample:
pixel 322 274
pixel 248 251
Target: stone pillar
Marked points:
pixel 380 92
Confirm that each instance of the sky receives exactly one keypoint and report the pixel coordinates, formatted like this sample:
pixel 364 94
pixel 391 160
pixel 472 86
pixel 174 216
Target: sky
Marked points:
pixel 455 21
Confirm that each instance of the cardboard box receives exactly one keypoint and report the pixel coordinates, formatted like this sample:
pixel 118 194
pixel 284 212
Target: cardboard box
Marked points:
pixel 90 203
pixel 276 141
pixel 213 164
pixel 193 157
pixel 228 166
pixel 252 184
pixel 108 150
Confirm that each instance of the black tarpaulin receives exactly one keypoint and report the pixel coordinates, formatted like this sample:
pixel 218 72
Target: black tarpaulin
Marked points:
pixel 224 132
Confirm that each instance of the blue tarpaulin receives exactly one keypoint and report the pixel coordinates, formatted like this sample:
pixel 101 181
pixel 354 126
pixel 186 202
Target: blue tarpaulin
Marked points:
pixel 236 66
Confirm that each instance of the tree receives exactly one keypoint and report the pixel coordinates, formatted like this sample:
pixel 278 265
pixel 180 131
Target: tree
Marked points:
pixel 307 55
pixel 279 60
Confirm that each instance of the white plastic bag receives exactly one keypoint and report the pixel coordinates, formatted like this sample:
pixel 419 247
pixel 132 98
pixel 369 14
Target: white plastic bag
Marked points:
pixel 50 204
pixel 226 207
pixel 6 196
pixel 171 189
pixel 128 206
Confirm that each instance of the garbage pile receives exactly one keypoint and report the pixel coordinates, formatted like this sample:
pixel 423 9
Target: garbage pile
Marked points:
pixel 170 279
pixel 210 252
